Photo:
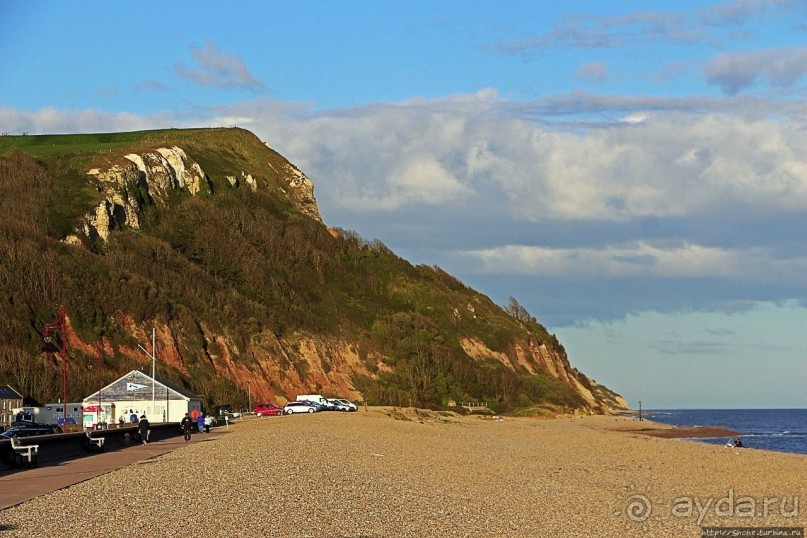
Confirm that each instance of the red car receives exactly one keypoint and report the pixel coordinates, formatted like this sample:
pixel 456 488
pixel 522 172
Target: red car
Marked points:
pixel 268 409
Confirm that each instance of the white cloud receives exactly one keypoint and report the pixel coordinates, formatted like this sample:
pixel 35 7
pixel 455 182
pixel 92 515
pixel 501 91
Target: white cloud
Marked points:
pixel 54 121
pixel 616 261
pixel 634 118
pixel 736 71
pixel 596 31
pixel 378 157
pixel 666 165
pixel 639 259
pixel 740 11
pixel 422 180
pixel 602 106
pixel 217 68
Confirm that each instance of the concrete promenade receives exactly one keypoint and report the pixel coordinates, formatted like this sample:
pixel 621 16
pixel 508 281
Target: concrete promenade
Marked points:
pixel 22 484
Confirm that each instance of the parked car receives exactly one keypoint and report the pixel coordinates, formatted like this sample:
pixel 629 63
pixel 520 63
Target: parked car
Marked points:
pixel 339 406
pixel 328 405
pixel 343 405
pixel 222 414
pixel 268 409
pixel 316 405
pixel 299 407
pixel 29 430
pixel 225 410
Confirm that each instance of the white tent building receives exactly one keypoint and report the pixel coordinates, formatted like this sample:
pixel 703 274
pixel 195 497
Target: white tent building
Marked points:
pixel 137 393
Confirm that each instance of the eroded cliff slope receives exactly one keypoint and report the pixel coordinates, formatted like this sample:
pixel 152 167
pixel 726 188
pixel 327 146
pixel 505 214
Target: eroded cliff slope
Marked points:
pixel 216 241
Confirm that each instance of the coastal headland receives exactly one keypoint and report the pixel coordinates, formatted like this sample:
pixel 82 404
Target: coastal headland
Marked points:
pixel 408 472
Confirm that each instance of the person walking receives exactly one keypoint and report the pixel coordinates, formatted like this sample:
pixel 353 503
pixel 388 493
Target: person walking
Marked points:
pixel 143 427
pixel 187 426
pixel 200 422
pixel 208 423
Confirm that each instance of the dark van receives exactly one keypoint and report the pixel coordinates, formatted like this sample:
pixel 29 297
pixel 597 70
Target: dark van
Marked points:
pixel 29 430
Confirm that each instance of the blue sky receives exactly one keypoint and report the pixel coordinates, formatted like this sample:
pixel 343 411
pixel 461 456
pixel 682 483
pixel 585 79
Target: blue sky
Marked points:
pixel 634 175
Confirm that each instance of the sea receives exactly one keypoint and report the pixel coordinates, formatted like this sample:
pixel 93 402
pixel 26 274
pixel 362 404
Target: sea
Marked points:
pixel 782 430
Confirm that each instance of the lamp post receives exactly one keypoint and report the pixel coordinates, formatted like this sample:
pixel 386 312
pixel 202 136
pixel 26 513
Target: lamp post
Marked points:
pixel 60 326
pixel 90 364
pixel 153 356
pixel 249 395
pixel 640 409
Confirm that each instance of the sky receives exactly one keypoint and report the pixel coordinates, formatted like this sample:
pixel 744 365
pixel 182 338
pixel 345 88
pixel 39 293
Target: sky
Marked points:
pixel 634 174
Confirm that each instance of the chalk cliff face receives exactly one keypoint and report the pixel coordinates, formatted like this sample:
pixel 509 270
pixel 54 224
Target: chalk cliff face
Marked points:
pixel 138 179
pixel 301 191
pixel 135 180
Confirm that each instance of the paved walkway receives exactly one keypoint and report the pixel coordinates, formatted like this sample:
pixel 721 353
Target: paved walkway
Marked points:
pixel 20 485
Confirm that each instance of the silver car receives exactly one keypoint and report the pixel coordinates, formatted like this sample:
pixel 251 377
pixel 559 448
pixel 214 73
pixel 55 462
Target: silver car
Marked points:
pixel 342 404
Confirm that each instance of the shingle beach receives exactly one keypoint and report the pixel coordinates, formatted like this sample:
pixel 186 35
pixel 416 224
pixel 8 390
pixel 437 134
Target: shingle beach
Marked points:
pixel 404 472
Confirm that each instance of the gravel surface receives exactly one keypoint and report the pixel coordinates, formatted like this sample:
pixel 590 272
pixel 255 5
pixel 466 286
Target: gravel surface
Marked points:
pixel 404 472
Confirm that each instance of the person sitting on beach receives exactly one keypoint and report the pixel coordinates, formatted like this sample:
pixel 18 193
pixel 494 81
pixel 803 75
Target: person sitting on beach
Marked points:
pixel 735 443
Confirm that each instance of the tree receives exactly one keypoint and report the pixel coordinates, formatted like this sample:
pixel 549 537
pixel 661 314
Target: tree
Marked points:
pixel 518 312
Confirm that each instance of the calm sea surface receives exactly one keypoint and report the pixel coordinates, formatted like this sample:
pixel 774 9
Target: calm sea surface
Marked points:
pixel 784 430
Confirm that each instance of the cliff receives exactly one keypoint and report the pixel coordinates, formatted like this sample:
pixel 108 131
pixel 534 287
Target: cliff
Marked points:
pixel 129 183
pixel 215 240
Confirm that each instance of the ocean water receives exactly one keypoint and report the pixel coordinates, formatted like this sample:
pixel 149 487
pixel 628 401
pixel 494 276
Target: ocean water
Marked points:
pixel 783 430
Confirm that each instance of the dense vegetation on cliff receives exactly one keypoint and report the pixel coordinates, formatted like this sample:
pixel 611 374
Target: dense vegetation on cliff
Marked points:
pixel 226 270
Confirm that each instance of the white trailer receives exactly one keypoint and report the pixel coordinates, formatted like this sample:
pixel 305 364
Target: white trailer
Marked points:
pixel 316 398
pixel 52 413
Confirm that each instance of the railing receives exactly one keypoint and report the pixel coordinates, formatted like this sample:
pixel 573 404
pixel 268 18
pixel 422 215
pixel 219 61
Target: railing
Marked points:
pixel 474 406
pixel 64 446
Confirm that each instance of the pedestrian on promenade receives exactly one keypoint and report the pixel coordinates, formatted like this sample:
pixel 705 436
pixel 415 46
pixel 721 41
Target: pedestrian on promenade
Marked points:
pixel 187 425
pixel 208 423
pixel 144 428
pixel 200 422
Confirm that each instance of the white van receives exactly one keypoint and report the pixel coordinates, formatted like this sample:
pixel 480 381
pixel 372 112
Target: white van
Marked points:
pixel 316 398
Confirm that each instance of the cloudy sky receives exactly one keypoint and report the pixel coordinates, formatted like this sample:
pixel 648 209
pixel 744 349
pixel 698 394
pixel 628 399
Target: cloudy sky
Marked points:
pixel 634 175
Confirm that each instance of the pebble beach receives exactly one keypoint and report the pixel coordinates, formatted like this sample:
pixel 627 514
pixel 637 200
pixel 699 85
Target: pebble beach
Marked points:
pixel 406 472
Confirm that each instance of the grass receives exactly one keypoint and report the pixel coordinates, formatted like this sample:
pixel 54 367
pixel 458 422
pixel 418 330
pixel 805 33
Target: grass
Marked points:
pixel 54 145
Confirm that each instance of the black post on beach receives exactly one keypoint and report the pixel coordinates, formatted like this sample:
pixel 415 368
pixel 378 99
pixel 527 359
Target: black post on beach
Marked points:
pixel 640 409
